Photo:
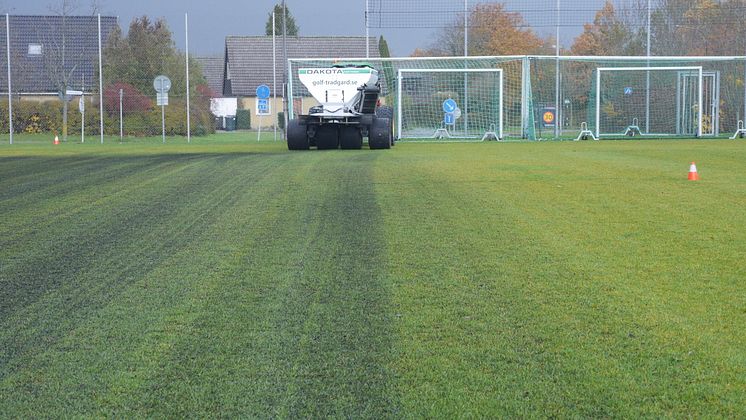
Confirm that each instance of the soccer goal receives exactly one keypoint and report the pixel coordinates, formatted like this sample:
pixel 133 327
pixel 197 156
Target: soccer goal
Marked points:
pixel 651 101
pixel 457 104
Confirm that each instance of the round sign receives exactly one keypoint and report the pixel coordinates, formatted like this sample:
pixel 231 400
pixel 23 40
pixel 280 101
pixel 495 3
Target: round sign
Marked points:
pixel 449 105
pixel 548 117
pixel 262 92
pixel 457 113
pixel 162 84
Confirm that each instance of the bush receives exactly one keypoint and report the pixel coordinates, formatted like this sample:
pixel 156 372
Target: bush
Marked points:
pixel 46 117
pixel 132 99
pixel 243 119
pixel 281 120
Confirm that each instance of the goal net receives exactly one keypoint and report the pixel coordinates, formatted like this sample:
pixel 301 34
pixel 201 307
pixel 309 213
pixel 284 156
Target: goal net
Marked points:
pixel 455 104
pixel 487 93
pixel 654 101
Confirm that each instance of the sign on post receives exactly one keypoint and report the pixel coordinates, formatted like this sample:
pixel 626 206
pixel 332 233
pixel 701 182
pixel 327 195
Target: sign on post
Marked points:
pixel 451 110
pixel 162 85
pixel 262 105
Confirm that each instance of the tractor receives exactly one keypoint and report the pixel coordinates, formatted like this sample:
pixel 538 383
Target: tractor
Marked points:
pixel 349 110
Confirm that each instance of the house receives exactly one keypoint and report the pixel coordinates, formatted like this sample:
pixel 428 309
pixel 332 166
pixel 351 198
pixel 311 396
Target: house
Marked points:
pixel 42 59
pixel 249 64
pixel 212 69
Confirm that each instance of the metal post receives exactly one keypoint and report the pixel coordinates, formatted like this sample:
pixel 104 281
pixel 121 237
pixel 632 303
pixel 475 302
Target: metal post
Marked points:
pixel 700 103
pixel 647 85
pixel 466 76
pixel 398 104
pixel 10 87
pixel 188 108
pixel 163 112
pixel 286 73
pixel 274 71
pixel 121 115
pixel 557 106
pixel 367 31
pixel 100 83
pixel 500 130
pixel 82 111
pixel 598 104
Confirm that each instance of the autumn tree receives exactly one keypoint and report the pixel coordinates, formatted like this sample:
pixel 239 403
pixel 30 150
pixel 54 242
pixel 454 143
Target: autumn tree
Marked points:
pixel 292 27
pixel 492 31
pixel 609 34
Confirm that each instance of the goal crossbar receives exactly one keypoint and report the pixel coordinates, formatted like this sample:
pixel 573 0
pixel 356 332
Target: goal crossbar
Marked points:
pixel 697 69
pixel 402 72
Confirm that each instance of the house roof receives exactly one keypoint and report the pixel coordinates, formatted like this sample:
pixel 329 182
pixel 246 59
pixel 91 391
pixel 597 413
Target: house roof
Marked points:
pixel 36 52
pixel 213 69
pixel 249 58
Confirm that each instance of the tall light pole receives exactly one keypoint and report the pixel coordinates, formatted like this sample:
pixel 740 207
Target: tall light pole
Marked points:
pixel 466 77
pixel 286 73
pixel 557 80
pixel 188 108
pixel 367 31
pixel 10 88
pixel 647 76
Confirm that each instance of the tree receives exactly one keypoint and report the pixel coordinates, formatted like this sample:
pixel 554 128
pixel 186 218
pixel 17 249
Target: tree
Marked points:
pixel 609 34
pixel 60 64
pixel 132 62
pixel 292 28
pixel 492 31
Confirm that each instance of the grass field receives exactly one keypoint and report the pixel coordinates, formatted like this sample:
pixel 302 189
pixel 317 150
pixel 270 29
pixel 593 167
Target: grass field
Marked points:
pixel 229 277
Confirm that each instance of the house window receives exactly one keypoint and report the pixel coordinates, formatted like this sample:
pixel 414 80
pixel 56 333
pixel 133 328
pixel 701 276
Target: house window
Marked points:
pixel 35 49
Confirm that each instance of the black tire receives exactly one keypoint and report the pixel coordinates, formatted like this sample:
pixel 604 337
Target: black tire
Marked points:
pixel 327 137
pixel 387 112
pixel 350 138
pixel 379 134
pixel 297 136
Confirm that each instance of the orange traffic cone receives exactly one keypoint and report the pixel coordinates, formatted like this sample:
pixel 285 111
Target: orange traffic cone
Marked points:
pixel 693 175
pixel 56 139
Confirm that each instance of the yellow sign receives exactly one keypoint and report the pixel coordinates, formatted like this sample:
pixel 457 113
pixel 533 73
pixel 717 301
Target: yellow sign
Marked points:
pixel 548 117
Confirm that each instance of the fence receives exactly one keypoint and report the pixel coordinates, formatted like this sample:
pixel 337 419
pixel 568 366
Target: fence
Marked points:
pixel 48 64
pixel 80 78
pixel 662 96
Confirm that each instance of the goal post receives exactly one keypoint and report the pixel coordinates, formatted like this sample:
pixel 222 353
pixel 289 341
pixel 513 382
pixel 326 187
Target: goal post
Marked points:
pixel 475 98
pixel 619 104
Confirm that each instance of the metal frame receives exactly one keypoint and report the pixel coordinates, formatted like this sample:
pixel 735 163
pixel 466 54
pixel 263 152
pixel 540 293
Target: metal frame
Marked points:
pixel 713 97
pixel 647 69
pixel 465 71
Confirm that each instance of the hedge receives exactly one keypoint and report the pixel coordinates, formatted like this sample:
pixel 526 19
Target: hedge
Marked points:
pixel 46 117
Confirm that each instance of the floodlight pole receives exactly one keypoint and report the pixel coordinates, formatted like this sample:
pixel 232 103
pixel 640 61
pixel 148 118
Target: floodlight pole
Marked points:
pixel 188 108
pixel 647 83
pixel 100 83
pixel 557 105
pixel 286 73
pixel 367 31
pixel 466 76
pixel 274 70
pixel 10 89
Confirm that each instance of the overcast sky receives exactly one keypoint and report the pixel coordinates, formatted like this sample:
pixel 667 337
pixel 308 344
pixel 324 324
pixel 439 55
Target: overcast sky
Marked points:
pixel 211 21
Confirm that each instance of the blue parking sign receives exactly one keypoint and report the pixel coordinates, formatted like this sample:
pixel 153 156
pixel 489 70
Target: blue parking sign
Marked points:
pixel 262 107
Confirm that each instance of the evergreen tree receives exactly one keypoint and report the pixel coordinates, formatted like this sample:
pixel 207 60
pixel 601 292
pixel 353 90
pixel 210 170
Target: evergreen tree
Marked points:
pixel 292 28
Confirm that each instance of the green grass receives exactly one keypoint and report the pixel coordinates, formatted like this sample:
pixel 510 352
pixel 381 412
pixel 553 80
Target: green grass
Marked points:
pixel 229 277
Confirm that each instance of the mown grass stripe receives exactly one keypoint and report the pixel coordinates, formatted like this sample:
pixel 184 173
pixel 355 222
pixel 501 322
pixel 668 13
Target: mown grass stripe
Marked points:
pixel 560 338
pixel 123 244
